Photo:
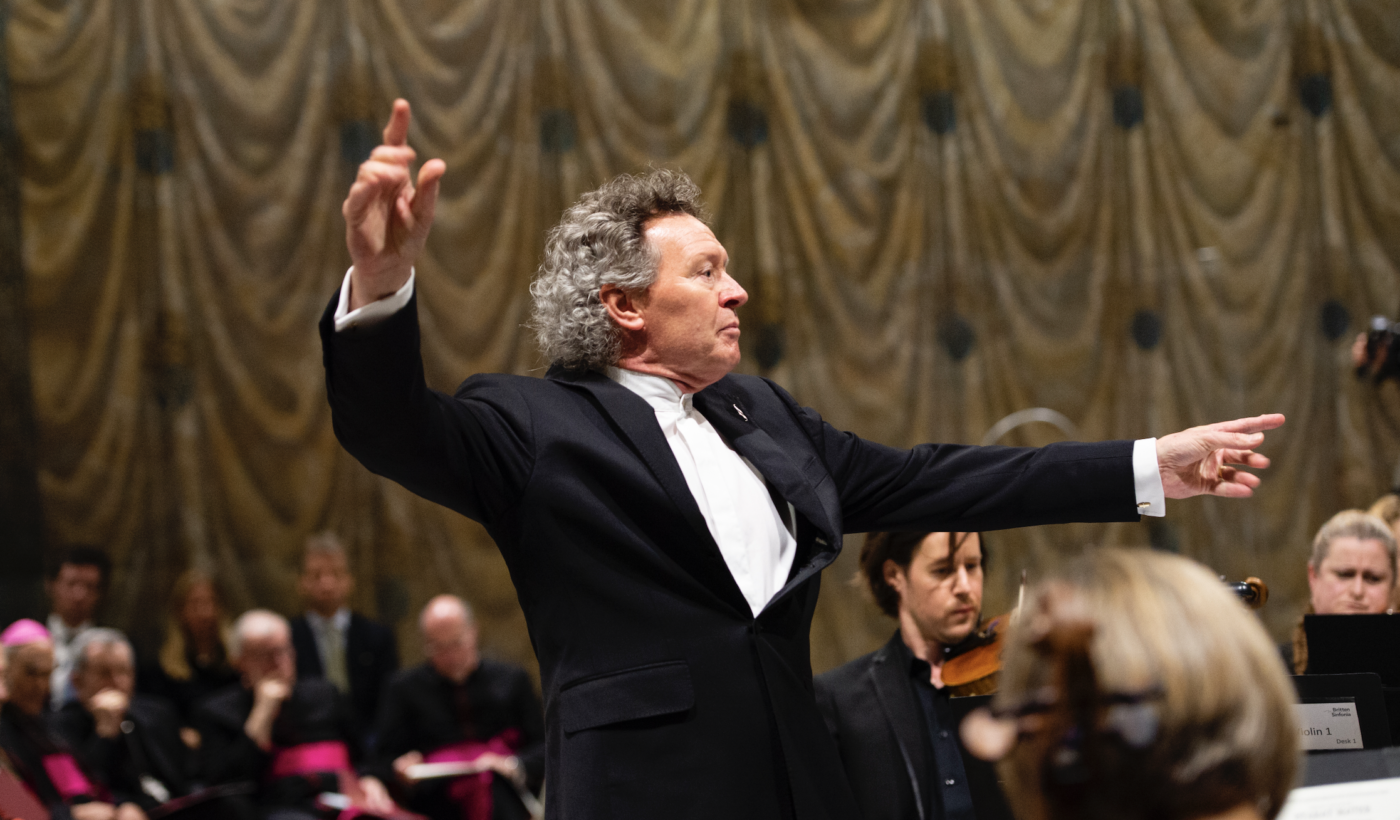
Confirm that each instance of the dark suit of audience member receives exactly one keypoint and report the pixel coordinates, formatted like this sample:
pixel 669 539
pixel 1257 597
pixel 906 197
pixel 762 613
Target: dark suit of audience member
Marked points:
pixel 873 710
pixel 426 712
pixel 371 656
pixel 46 764
pixel 314 713
pixel 149 748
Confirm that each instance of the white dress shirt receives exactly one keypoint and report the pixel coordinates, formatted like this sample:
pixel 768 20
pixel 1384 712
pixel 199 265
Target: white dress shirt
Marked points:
pixel 730 492
pixel 60 682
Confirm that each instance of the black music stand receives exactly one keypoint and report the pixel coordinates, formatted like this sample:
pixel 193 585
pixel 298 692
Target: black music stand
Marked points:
pixel 1348 644
pixel 1362 689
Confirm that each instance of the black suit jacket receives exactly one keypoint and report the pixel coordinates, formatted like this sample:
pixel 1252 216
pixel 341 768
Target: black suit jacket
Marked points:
pixel 664 694
pixel 371 658
pixel 152 747
pixel 419 713
pixel 316 711
pixel 873 714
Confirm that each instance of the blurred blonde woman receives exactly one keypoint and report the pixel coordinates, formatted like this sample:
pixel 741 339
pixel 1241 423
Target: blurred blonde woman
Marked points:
pixel 1351 572
pixel 193 659
pixel 1135 685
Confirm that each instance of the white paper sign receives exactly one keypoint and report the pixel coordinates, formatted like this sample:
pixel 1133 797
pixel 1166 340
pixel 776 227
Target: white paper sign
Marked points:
pixel 1363 800
pixel 1329 726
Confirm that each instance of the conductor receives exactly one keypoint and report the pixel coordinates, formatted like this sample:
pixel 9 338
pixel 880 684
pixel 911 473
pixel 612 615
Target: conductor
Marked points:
pixel 665 522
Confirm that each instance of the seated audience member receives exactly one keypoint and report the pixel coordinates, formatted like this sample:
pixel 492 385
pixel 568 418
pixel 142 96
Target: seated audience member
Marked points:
pixel 40 757
pixel 458 706
pixel 294 738
pixel 1136 686
pixel 356 654
pixel 131 743
pixel 1351 572
pixel 888 711
pixel 193 660
pixel 75 584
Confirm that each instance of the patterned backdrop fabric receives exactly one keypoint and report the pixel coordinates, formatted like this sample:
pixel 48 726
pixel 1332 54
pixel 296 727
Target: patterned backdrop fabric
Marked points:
pixel 1144 215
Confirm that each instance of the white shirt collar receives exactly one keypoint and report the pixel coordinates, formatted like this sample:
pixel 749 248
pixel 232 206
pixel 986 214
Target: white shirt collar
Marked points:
pixel 658 391
pixel 63 633
pixel 340 620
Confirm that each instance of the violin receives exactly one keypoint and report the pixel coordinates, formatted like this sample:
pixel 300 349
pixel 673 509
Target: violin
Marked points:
pixel 1252 591
pixel 973 667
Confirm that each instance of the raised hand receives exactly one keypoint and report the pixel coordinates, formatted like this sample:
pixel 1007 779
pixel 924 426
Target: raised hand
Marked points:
pixel 1198 461
pixel 386 218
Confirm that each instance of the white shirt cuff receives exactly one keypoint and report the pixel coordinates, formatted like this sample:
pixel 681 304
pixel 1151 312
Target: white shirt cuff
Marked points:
pixel 1147 479
pixel 376 311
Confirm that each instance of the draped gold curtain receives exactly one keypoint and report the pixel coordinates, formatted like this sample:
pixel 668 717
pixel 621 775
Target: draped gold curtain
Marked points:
pixel 1142 214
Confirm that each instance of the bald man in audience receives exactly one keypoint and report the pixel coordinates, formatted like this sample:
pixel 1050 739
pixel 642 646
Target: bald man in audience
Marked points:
pixel 131 743
pixel 295 739
pixel 458 706
pixel 40 757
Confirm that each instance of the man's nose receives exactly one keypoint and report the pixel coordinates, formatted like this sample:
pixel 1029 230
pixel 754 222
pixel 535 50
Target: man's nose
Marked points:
pixel 961 583
pixel 733 294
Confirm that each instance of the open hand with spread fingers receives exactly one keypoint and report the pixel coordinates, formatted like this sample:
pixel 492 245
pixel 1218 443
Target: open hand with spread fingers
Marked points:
pixel 1200 461
pixel 387 218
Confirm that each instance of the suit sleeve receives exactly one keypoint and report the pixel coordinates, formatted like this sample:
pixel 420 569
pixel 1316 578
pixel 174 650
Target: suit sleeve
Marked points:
pixel 471 452
pixel 969 488
pixel 227 754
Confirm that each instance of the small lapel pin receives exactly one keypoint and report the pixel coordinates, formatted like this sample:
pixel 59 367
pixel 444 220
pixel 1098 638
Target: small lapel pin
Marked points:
pixel 740 412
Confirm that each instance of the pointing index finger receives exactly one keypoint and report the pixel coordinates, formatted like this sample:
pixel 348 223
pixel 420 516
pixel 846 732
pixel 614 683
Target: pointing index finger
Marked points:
pixel 1255 424
pixel 396 132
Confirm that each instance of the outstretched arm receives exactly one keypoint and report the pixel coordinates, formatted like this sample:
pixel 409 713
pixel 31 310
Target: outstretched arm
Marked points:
pixel 1198 461
pixel 387 218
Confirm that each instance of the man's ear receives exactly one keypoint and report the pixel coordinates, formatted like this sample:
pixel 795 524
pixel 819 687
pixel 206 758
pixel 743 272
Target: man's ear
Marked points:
pixel 622 307
pixel 894 576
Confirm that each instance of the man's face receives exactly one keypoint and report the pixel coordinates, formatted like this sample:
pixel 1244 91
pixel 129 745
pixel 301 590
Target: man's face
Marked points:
pixel 326 582
pixel 690 325
pixel 267 655
pixel 1353 579
pixel 109 666
pixel 76 592
pixel 450 643
pixel 941 592
pixel 27 676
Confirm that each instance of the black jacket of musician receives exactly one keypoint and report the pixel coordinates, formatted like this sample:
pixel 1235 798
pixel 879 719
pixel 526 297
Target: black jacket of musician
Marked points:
pixel 664 695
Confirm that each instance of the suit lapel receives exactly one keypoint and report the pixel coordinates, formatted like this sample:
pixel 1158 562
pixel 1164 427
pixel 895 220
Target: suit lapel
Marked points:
pixel 636 420
pixel 891 682
pixel 777 467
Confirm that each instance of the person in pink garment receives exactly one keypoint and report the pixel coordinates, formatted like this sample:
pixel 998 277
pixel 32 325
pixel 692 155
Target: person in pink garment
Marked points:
pixel 42 760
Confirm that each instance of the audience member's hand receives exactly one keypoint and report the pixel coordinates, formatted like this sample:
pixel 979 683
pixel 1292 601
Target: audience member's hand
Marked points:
pixel 108 708
pixel 130 811
pixel 93 811
pixel 506 766
pixel 271 691
pixel 386 218
pixel 404 761
pixel 268 695
pixel 1197 461
pixel 191 737
pixel 376 798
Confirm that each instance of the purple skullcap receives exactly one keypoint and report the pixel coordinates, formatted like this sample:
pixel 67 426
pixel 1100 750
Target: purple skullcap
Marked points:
pixel 22 632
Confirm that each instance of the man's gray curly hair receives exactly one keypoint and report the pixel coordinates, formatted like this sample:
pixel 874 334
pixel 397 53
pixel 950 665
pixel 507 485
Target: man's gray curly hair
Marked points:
pixel 599 242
